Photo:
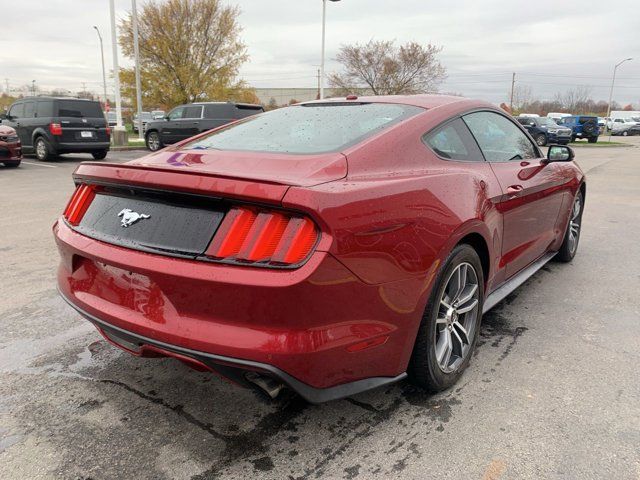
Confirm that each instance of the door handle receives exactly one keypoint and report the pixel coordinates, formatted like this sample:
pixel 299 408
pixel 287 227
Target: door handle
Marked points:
pixel 514 189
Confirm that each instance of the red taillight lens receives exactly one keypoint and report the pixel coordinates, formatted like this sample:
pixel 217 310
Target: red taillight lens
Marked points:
pixel 55 129
pixel 250 235
pixel 79 203
pixel 108 131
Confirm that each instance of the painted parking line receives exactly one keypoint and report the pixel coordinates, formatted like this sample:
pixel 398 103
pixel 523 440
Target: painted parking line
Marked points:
pixel 40 165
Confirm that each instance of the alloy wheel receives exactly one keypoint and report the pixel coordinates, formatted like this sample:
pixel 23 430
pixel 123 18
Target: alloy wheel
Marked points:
pixel 457 318
pixel 153 141
pixel 574 224
pixel 41 149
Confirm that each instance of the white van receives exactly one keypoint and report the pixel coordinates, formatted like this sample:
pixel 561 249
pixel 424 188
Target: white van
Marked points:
pixel 555 116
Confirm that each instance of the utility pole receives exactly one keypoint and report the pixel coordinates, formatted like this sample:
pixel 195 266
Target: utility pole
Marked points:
pixel 324 22
pixel 104 73
pixel 116 69
pixel 319 83
pixel 33 88
pixel 513 85
pixel 136 52
pixel 613 81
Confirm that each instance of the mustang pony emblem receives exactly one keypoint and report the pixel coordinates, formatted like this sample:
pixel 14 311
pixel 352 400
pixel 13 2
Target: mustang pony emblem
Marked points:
pixel 129 217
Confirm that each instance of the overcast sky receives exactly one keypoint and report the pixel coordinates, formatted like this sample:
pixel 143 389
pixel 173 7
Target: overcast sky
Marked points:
pixel 552 45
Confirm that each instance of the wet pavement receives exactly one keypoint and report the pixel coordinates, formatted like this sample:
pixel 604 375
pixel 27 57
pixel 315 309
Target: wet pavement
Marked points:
pixel 553 390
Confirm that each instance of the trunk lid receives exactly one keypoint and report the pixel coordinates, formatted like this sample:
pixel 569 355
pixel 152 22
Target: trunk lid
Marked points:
pixel 281 169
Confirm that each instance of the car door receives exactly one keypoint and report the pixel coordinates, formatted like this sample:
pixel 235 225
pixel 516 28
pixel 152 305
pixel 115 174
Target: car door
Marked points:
pixel 532 196
pixel 189 124
pixel 28 123
pixel 170 129
pixel 15 118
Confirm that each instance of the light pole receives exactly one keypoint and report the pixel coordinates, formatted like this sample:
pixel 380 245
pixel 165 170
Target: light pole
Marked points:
pixel 104 73
pixel 116 69
pixel 324 23
pixel 136 54
pixel 613 81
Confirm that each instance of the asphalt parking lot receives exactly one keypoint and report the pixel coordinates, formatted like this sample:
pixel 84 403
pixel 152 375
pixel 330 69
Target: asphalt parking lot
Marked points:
pixel 553 391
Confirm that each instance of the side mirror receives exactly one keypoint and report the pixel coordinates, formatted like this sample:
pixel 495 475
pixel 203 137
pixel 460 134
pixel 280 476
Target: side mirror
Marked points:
pixel 559 153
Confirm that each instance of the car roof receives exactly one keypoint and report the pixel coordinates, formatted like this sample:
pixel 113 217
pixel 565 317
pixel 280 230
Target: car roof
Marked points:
pixel 427 101
pixel 226 103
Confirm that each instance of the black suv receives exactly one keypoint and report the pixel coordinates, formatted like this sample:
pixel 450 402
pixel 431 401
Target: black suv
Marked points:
pixel 188 120
pixel 50 126
pixel 545 131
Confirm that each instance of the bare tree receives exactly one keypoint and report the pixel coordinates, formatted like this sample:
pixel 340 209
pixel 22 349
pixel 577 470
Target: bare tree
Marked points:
pixel 522 97
pixel 577 99
pixel 386 69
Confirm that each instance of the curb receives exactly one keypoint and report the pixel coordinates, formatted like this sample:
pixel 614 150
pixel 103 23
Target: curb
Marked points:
pixel 126 149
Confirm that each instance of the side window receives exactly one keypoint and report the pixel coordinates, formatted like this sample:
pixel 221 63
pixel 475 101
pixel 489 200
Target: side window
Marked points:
pixel 193 111
pixel 29 109
pixel 453 141
pixel 499 139
pixel 44 109
pixel 176 113
pixel 17 111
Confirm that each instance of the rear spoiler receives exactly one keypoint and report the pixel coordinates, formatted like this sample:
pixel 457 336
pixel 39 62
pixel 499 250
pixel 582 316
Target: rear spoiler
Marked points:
pixel 195 182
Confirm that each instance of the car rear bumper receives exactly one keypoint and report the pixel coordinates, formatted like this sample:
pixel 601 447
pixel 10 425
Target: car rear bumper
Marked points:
pixel 83 147
pixel 318 329
pixel 232 368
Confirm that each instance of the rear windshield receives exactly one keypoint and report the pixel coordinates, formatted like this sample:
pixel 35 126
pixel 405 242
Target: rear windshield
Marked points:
pixel 307 129
pixel 79 109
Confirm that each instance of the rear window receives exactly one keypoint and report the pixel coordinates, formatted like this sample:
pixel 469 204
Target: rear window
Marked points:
pixel 587 119
pixel 307 129
pixel 79 109
pixel 243 111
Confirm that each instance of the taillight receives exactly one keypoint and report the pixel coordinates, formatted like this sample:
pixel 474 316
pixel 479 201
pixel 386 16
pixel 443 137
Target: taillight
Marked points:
pixel 55 129
pixel 250 235
pixel 108 131
pixel 79 203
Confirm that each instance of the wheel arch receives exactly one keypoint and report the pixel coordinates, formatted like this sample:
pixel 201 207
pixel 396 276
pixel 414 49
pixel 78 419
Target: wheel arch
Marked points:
pixel 479 244
pixel 39 132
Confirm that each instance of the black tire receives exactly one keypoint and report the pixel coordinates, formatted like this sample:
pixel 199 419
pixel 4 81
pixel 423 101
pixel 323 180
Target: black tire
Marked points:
pixel 573 139
pixel 424 369
pixel 568 249
pixel 153 141
pixel 12 164
pixel 541 139
pixel 42 149
pixel 593 139
pixel 99 155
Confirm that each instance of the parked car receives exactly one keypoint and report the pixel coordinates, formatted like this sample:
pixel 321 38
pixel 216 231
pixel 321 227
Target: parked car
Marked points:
pixel 48 126
pixel 625 115
pixel 545 131
pixel 555 116
pixel 582 126
pixel 146 118
pixel 10 147
pixel 319 246
pixel 188 120
pixel 157 114
pixel 112 119
pixel 625 127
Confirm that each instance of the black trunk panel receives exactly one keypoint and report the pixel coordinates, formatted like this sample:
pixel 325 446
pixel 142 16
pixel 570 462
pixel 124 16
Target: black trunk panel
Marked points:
pixel 174 226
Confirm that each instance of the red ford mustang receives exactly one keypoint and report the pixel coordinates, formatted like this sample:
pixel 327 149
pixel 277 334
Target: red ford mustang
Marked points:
pixel 332 246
